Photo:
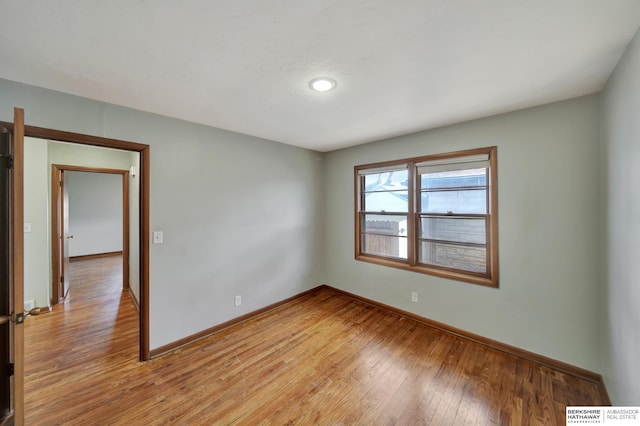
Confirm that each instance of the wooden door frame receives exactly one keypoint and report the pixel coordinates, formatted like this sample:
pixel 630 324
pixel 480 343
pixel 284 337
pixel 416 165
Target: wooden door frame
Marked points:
pixel 56 221
pixel 144 173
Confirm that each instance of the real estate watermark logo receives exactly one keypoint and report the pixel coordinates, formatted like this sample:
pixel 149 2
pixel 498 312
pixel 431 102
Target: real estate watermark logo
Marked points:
pixel 617 416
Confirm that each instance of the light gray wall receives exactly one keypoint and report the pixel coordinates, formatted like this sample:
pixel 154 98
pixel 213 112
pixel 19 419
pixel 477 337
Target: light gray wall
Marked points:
pixel 240 215
pixel 95 213
pixel 37 246
pixel 548 172
pixel 70 154
pixel 134 226
pixel 621 230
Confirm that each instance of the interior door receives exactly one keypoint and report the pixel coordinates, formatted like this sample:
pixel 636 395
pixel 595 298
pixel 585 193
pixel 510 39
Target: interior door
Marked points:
pixel 65 236
pixel 12 272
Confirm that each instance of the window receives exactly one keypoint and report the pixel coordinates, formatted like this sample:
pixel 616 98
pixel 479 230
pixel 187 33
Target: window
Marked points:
pixel 435 214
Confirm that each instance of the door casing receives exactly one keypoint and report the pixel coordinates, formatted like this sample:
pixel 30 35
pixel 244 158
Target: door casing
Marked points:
pixel 57 220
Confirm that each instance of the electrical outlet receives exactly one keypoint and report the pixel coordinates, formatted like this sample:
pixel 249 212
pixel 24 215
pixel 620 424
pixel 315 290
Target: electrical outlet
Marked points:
pixel 414 296
pixel 238 300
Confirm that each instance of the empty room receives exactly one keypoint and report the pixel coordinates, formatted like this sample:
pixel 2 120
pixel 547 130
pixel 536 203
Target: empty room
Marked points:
pixel 334 213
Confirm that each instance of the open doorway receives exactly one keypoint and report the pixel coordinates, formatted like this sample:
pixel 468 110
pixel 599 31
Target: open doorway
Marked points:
pixel 140 233
pixel 90 218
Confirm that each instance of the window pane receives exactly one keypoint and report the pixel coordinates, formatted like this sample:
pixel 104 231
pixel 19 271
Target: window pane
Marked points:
pixel 458 191
pixel 386 191
pixel 385 224
pixel 387 181
pixel 388 201
pixel 454 179
pixel 385 235
pixel 384 245
pixel 455 229
pixel 472 259
pixel 466 201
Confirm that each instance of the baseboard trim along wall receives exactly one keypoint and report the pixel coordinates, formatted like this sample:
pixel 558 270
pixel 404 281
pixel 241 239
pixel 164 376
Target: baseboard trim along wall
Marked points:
pixel 44 309
pixel 133 299
pixel 503 347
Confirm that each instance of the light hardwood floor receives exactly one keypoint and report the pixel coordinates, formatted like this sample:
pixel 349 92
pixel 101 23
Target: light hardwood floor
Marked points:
pixel 322 359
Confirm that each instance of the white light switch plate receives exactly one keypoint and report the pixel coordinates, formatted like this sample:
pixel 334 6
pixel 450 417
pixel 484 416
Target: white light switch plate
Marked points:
pixel 27 227
pixel 158 237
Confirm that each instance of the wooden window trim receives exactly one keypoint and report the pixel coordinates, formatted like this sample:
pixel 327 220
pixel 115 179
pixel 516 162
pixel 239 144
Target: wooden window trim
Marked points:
pixel 491 278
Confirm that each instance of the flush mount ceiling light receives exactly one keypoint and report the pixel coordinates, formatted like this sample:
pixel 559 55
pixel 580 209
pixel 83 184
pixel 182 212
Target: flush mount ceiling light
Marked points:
pixel 322 84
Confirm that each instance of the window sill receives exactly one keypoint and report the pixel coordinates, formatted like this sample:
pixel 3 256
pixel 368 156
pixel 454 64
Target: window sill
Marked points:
pixel 403 264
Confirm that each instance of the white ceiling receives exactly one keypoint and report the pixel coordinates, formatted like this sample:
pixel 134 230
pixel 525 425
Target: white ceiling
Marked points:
pixel 244 65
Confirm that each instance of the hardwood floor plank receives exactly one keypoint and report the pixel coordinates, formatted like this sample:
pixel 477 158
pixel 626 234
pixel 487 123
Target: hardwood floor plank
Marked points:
pixel 322 359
